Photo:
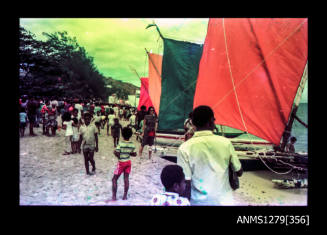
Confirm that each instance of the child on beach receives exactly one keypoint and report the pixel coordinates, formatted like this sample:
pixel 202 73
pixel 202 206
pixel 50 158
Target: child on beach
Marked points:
pixel 89 136
pixel 75 137
pixel 110 121
pixel 123 152
pixel 68 126
pixel 115 131
pixel 97 121
pixel 23 120
pixel 173 179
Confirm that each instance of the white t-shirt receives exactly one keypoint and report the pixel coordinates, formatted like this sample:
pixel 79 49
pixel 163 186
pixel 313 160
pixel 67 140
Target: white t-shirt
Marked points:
pixel 132 120
pixel 75 134
pixel 69 127
pixel 205 160
pixel 111 119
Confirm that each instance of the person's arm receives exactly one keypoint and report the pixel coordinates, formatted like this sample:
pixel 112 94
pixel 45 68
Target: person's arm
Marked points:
pixel 187 192
pixel 236 164
pixel 117 154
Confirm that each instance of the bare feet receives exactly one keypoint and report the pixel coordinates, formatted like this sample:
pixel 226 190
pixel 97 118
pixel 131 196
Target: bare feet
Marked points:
pixel 113 199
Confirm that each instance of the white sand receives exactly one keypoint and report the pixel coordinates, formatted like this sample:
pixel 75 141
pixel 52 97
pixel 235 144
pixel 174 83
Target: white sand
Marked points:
pixel 49 178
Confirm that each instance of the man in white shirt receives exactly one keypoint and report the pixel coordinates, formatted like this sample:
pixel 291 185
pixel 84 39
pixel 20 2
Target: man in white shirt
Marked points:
pixel 205 159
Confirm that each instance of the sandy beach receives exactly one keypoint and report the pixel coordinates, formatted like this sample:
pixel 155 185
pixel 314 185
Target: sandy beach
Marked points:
pixel 49 178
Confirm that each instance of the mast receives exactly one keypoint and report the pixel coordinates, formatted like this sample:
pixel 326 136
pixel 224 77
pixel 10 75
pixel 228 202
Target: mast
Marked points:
pixel 287 132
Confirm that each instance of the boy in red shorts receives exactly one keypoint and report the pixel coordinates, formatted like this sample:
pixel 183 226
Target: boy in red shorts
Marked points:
pixel 123 152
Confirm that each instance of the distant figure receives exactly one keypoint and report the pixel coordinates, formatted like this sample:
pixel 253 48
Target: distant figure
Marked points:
pixel 22 121
pixel 140 116
pixel 68 126
pixel 31 114
pixel 132 120
pixel 52 120
pixel 110 121
pixel 189 127
pixel 97 120
pixel 125 149
pixel 290 146
pixel 149 131
pixel 75 138
pixel 173 179
pixel 205 160
pixel 89 136
pixel 115 131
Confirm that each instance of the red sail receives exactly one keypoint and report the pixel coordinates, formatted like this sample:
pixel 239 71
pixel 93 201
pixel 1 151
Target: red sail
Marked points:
pixel 144 94
pixel 250 71
pixel 155 63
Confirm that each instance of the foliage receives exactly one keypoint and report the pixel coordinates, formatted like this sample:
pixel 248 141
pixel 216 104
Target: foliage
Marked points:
pixel 59 66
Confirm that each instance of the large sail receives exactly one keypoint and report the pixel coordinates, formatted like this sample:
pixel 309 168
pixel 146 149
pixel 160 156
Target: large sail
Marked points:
pixel 250 71
pixel 155 62
pixel 144 94
pixel 180 65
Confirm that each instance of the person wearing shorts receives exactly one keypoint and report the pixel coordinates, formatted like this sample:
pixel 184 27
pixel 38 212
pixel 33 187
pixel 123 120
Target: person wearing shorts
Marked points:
pixel 124 150
pixel 149 131
pixel 89 135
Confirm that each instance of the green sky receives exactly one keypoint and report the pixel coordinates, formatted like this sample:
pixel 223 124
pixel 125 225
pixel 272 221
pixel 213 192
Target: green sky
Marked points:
pixel 117 43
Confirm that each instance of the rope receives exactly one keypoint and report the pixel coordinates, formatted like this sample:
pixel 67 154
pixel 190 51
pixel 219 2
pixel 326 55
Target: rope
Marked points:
pixel 238 104
pixel 263 61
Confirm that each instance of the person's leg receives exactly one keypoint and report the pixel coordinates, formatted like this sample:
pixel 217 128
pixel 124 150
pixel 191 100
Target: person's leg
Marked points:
pixel 91 158
pixel 114 187
pixel 86 160
pixel 150 142
pixel 141 150
pixel 115 142
pixel 107 129
pixel 127 171
pixel 32 119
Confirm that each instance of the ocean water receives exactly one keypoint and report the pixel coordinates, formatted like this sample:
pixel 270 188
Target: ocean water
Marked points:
pixel 299 131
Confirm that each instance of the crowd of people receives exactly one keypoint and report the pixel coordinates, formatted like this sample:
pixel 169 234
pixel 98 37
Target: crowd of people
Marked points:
pixel 200 176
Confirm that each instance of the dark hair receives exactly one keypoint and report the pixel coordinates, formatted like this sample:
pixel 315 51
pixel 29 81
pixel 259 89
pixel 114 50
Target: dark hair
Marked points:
pixel 171 174
pixel 150 108
pixel 116 119
pixel 75 120
pixel 87 114
pixel 127 133
pixel 66 116
pixel 293 139
pixel 143 107
pixel 75 110
pixel 202 115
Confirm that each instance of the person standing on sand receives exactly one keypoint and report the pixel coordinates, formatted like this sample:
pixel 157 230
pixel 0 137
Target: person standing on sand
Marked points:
pixel 68 126
pixel 125 149
pixel 89 136
pixel 110 121
pixel 205 161
pixel 149 131
pixel 23 120
pixel 115 131
pixel 31 114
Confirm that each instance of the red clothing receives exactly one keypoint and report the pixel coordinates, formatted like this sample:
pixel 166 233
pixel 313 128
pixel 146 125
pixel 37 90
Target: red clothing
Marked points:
pixel 123 167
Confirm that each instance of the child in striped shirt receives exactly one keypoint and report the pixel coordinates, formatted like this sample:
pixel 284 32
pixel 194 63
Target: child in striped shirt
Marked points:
pixel 123 152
